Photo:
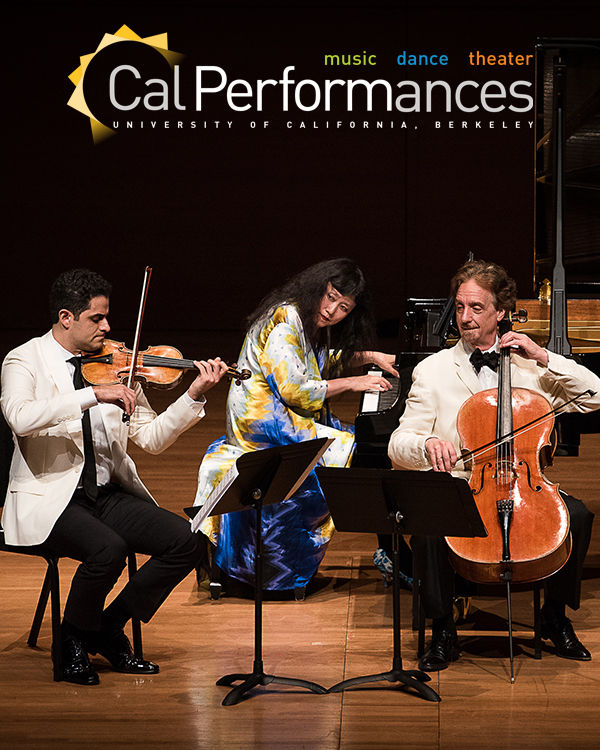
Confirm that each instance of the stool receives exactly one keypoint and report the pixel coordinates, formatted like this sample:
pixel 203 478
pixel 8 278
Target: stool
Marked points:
pixel 418 617
pixel 51 589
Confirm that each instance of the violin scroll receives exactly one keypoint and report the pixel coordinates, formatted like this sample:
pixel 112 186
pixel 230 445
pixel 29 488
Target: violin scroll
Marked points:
pixel 238 375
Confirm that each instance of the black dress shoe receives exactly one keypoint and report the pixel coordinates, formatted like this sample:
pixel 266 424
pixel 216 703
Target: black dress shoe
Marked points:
pixel 117 650
pixel 75 663
pixel 442 650
pixel 560 631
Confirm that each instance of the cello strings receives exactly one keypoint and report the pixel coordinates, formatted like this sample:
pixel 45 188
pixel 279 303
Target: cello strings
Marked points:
pixel 525 428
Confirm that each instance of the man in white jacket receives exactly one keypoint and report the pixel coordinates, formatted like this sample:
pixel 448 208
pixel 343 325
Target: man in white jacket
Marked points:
pixel 74 489
pixel 427 438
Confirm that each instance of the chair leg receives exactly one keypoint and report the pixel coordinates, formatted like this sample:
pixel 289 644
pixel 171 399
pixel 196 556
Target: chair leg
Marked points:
pixel 418 614
pixel 537 622
pixel 136 626
pixel 40 610
pixel 215 585
pixel 55 617
pixel 51 588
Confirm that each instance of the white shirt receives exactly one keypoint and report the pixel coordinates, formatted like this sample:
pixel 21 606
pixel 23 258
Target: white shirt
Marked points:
pixel 488 378
pixel 87 400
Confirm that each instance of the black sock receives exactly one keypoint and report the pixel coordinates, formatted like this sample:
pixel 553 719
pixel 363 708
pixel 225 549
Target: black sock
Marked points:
pixel 443 623
pixel 554 607
pixel 115 616
pixel 69 630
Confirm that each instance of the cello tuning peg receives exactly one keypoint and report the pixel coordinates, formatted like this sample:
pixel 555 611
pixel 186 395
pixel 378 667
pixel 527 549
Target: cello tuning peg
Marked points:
pixel 519 317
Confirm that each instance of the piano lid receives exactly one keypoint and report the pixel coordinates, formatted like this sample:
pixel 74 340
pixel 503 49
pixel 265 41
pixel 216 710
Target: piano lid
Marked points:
pixel 583 318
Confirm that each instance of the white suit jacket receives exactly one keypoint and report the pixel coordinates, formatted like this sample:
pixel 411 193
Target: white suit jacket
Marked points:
pixel 444 381
pixel 42 408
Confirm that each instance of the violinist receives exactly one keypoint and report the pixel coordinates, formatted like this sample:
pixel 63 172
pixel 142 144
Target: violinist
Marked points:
pixel 75 490
pixel 427 438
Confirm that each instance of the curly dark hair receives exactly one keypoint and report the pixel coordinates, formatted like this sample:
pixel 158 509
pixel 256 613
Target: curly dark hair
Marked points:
pixel 489 276
pixel 74 290
pixel 355 333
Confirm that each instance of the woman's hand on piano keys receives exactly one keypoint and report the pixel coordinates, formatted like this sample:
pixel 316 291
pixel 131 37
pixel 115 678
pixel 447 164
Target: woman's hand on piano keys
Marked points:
pixel 358 383
pixel 381 359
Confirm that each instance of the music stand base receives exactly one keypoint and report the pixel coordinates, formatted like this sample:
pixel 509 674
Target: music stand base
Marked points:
pixel 413 678
pixel 258 677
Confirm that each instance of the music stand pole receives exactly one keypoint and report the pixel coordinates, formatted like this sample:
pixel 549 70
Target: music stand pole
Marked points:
pixel 266 477
pixel 258 676
pixel 403 502
pixel 413 678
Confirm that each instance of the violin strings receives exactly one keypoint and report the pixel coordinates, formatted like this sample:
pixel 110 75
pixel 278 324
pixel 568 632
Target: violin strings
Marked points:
pixel 156 360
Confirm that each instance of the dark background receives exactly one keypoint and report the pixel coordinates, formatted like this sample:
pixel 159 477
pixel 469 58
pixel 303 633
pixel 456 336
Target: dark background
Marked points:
pixel 224 215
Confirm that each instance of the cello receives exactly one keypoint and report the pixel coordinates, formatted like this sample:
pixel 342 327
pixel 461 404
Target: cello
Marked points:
pixel 525 517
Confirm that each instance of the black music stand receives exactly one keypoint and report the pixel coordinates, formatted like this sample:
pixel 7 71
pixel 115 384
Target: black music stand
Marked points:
pixel 262 478
pixel 405 502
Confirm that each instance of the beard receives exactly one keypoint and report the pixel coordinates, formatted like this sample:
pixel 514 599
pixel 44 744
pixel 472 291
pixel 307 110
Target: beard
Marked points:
pixel 470 334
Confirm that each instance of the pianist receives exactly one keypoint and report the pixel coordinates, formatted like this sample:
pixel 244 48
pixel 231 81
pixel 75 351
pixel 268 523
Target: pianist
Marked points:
pixel 303 341
pixel 427 438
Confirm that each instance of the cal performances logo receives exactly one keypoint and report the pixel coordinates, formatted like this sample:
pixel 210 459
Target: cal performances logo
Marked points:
pixel 158 42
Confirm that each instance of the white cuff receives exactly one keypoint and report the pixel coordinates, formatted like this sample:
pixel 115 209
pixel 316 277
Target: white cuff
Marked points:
pixel 87 398
pixel 195 406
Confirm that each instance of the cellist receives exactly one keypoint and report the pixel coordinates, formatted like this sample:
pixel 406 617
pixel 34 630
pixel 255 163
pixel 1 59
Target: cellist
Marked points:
pixel 427 438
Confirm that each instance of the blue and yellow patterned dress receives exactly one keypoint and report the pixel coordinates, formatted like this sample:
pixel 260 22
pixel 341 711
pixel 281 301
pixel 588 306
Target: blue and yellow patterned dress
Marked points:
pixel 282 403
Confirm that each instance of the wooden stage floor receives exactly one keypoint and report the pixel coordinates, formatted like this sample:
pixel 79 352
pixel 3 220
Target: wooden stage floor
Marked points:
pixel 343 629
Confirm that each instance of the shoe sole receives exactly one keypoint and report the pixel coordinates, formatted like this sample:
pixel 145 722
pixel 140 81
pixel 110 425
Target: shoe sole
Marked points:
pixel 75 681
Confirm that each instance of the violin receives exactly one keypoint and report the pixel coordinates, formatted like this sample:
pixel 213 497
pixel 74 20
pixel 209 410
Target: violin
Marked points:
pixel 525 517
pixel 158 366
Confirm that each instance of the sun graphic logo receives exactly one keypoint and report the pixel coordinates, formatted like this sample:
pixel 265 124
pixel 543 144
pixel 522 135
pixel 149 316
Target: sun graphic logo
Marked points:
pixel 78 101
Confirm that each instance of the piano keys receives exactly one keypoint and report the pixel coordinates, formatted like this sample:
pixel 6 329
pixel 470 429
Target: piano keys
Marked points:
pixel 377 401
pixel 379 414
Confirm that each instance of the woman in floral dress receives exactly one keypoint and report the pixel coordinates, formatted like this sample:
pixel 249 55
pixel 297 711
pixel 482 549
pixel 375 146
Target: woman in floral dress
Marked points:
pixel 303 341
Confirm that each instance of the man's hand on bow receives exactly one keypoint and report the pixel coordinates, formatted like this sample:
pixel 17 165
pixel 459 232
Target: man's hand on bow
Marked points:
pixel 442 454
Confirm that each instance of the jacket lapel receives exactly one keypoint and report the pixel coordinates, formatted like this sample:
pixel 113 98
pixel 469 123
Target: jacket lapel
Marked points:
pixel 63 381
pixel 56 364
pixel 464 369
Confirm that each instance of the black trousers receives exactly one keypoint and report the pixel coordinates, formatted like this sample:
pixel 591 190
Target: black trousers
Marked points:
pixel 101 536
pixel 437 577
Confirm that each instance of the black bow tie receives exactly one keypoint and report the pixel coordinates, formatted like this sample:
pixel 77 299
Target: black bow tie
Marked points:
pixel 478 359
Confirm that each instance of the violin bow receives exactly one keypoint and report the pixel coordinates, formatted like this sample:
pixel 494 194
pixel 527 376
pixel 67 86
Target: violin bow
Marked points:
pixel 524 428
pixel 138 332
